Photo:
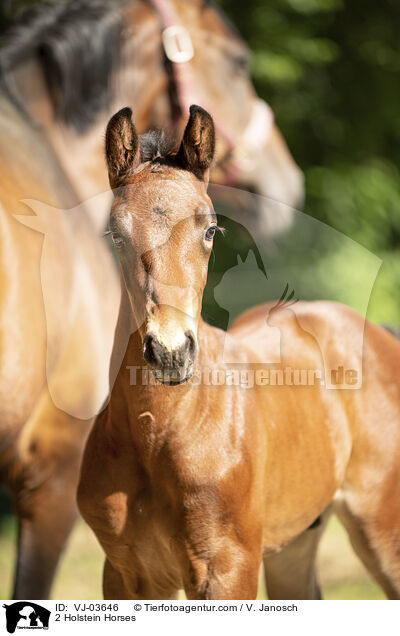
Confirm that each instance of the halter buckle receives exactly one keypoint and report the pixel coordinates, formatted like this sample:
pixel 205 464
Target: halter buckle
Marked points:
pixel 177 44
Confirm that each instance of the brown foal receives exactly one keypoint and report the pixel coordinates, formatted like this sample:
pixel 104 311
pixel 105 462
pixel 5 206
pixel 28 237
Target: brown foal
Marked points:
pixel 190 483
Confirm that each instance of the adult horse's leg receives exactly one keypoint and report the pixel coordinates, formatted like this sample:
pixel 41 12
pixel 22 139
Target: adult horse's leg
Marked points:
pixel 46 518
pixel 291 573
pixel 47 468
pixel 376 543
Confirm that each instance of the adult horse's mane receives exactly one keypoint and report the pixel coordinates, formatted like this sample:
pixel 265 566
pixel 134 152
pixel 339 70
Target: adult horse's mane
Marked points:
pixel 78 46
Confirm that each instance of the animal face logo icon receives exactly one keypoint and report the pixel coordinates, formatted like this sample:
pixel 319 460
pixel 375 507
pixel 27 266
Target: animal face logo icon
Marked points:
pixel 26 615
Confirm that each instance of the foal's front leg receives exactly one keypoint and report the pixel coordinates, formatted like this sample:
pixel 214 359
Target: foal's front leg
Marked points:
pixel 231 573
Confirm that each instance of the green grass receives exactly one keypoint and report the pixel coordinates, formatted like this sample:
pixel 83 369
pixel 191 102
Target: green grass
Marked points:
pixel 341 574
pixel 8 533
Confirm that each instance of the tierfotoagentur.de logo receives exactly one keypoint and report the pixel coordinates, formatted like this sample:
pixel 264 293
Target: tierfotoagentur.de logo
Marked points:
pixel 26 615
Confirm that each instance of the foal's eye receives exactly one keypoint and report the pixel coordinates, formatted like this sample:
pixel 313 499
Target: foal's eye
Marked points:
pixel 210 233
pixel 118 240
pixel 241 63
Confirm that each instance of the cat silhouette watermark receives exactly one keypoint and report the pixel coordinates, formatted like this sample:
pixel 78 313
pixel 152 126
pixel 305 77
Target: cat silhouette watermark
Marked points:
pixel 253 271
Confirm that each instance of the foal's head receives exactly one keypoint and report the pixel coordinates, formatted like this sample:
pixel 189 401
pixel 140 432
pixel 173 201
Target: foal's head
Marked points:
pixel 163 223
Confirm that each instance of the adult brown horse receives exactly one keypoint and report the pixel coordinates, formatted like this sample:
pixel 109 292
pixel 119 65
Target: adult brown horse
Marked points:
pixel 61 346
pixel 188 483
pixel 65 68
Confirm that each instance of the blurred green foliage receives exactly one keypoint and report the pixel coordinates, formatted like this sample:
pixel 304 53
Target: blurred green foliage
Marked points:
pixel 330 70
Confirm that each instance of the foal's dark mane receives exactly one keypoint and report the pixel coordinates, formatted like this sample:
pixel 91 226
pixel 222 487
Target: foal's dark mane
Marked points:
pixel 78 45
pixel 155 144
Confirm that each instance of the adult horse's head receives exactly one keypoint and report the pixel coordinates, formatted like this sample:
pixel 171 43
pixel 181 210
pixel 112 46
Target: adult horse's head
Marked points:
pixel 163 223
pixel 137 56
pixel 205 60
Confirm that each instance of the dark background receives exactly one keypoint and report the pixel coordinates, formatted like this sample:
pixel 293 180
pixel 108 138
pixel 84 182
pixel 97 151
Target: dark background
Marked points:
pixel 330 70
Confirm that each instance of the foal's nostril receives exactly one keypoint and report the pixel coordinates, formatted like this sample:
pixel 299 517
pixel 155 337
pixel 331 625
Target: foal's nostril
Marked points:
pixel 191 345
pixel 150 351
pixel 159 357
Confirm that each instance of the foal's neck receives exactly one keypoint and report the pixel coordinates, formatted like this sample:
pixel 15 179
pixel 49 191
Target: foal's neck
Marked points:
pixel 141 412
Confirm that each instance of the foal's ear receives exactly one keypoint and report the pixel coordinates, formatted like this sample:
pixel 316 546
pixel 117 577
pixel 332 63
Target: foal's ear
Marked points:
pixel 196 151
pixel 122 146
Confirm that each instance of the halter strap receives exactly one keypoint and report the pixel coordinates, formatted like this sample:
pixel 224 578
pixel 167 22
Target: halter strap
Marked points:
pixel 178 48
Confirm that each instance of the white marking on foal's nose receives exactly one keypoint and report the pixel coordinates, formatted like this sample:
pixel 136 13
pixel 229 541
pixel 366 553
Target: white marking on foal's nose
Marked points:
pixel 170 321
pixel 172 335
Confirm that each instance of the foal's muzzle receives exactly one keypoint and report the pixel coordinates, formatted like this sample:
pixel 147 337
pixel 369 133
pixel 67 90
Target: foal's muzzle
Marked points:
pixel 170 367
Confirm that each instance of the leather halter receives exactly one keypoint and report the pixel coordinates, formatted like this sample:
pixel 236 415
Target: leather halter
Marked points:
pixel 178 48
